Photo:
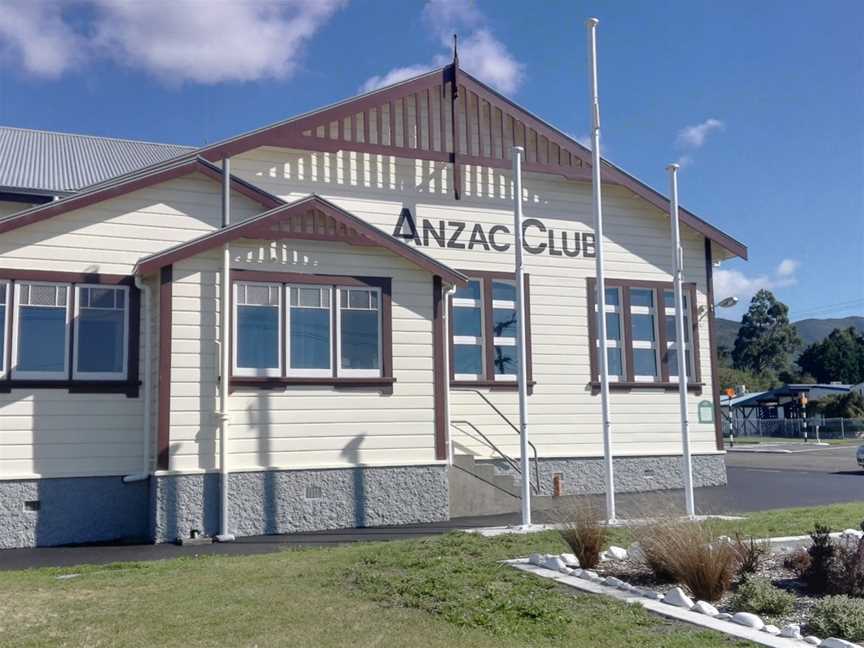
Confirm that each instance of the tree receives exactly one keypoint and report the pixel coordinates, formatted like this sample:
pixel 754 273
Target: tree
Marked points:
pixel 838 357
pixel 729 377
pixel 766 339
pixel 850 405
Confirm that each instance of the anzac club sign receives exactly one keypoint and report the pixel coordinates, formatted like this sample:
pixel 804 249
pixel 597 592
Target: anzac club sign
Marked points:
pixel 458 235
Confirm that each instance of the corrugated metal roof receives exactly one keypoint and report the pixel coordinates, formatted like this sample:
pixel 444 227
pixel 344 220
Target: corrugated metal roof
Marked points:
pixel 46 162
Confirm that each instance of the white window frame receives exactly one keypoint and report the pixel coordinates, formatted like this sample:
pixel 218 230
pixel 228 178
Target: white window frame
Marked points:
pixel 16 321
pixel 255 372
pixel 669 311
pixel 503 341
pixel 644 344
pixel 471 340
pixel 617 343
pixel 313 373
pixel 4 370
pixel 357 373
pixel 100 375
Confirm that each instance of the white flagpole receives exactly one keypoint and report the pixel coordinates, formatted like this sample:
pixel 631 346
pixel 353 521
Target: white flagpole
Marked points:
pixel 680 350
pixel 521 370
pixel 601 280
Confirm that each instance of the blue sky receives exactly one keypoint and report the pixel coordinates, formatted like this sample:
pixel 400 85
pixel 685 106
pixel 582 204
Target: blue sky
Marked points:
pixel 762 100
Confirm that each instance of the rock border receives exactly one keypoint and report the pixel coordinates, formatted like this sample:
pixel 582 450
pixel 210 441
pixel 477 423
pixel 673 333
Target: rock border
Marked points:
pixel 675 604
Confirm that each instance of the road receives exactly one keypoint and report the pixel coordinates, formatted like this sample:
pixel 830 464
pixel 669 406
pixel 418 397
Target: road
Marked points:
pixel 757 481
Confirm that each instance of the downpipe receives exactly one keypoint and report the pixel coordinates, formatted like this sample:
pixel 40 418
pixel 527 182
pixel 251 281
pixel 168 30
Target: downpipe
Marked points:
pixel 146 295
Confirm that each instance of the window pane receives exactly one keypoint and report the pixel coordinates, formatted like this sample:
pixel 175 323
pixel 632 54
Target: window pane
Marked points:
pixel 41 339
pixel 471 291
pixel 467 322
pixel 310 338
pixel 613 326
pixel 672 360
pixel 257 337
pixel 359 339
pixel 672 331
pixel 468 359
pixel 669 298
pixel 3 332
pixel 644 362
pixel 100 339
pixel 3 294
pixel 643 327
pixel 642 297
pixel 503 291
pixel 102 297
pixel 612 297
pixel 613 362
pixel 358 299
pixel 506 360
pixel 504 322
pixel 310 297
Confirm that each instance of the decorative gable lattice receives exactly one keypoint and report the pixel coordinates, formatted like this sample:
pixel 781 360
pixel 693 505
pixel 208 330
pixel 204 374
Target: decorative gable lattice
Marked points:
pixel 444 116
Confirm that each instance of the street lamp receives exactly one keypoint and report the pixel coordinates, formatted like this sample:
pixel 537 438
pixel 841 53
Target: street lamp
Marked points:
pixel 729 302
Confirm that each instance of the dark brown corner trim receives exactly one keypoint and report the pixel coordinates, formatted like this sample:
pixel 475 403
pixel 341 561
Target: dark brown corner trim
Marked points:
pixel 163 436
pixel 630 383
pixel 438 368
pixel 712 342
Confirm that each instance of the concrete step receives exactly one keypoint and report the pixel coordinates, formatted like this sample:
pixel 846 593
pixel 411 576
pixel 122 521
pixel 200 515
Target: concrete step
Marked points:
pixel 477 489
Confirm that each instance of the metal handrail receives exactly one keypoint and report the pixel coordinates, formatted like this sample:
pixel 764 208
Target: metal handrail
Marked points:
pixel 518 432
pixel 510 460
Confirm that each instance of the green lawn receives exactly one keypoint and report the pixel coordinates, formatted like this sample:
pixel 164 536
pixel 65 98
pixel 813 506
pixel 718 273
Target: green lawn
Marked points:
pixel 443 591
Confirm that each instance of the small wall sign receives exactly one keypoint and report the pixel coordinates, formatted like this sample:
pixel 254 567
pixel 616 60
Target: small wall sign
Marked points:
pixel 706 412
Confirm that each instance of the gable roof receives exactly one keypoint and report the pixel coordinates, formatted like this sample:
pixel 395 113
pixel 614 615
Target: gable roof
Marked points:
pixel 132 182
pixel 299 220
pixel 49 163
pixel 460 129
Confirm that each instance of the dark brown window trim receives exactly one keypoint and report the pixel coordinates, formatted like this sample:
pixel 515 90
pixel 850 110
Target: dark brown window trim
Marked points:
pixel 163 434
pixel 488 342
pixel 439 377
pixel 659 287
pixel 712 343
pixel 130 386
pixel 384 284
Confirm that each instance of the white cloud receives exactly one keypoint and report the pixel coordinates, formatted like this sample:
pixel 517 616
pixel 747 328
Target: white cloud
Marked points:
pixel 480 52
pixel 693 137
pixel 35 35
pixel 177 41
pixel 734 283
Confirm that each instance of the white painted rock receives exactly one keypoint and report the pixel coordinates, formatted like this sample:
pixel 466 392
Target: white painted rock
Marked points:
pixel 566 570
pixel 536 559
pixel 589 575
pixel 813 641
pixel 724 540
pixel 554 563
pixel 771 629
pixel 852 533
pixel 578 573
pixel 749 620
pixel 617 553
pixel 678 598
pixel 706 608
pixel 833 642
pixel 570 559
pixel 604 556
pixel 792 631
pixel 613 582
pixel 656 596
pixel 724 616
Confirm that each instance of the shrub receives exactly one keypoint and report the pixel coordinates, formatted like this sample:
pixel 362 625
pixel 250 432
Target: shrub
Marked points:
pixel 688 553
pixel 850 558
pixel 838 616
pixel 798 562
pixel 823 569
pixel 584 531
pixel 759 596
pixel 750 553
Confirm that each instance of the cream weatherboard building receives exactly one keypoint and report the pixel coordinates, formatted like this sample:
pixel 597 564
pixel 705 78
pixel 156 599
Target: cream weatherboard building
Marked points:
pixel 371 331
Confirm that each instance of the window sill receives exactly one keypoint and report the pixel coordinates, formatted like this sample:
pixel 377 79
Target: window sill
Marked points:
pixel 492 385
pixel 693 388
pixel 385 385
pixel 127 387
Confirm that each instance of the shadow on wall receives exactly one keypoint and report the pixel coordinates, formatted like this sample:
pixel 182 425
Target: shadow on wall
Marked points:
pixel 351 452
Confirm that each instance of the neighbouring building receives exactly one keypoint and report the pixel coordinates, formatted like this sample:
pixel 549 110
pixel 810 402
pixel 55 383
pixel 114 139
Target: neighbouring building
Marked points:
pixel 372 323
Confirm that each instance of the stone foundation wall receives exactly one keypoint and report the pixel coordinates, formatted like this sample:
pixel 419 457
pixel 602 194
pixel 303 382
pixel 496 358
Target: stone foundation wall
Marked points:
pixel 74 510
pixel 299 500
pixel 586 476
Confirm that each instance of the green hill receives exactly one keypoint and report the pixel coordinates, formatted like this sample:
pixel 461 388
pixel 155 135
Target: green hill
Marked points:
pixel 810 330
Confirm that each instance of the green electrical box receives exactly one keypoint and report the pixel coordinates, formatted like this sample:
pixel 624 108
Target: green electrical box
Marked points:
pixel 706 412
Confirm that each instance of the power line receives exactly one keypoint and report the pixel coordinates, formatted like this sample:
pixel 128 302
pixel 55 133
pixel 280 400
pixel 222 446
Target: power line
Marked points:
pixel 830 307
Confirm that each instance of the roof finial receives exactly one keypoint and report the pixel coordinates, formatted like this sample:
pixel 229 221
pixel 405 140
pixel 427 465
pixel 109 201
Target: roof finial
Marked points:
pixel 455 50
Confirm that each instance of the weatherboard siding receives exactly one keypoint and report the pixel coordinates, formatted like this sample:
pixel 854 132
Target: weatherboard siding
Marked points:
pixel 564 415
pixel 301 427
